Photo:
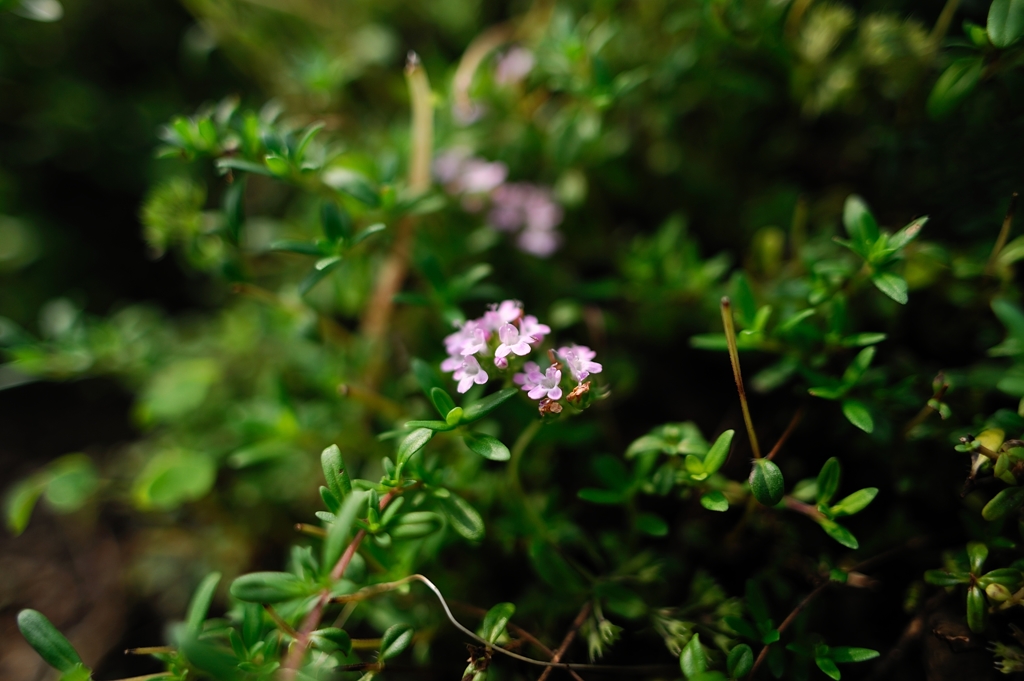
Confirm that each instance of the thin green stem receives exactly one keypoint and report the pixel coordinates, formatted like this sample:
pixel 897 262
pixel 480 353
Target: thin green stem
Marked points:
pixel 518 448
pixel 734 357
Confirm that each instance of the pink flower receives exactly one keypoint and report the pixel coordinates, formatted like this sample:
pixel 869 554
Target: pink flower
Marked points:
pixel 547 385
pixel 451 364
pixel 578 359
pixel 529 326
pixel 530 377
pixel 501 362
pixel 468 340
pixel 507 313
pixel 538 243
pixel 520 205
pixel 469 373
pixel 511 341
pixel 513 66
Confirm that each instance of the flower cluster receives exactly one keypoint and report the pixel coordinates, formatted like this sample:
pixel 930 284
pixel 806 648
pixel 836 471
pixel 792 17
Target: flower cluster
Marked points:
pixel 503 337
pixel 522 207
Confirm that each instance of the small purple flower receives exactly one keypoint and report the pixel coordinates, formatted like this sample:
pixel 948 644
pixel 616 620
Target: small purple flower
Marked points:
pixel 469 373
pixel 547 386
pixel 507 313
pixel 512 341
pixel 501 362
pixel 479 176
pixel 529 326
pixel 513 66
pixel 530 377
pixel 538 243
pixel 451 364
pixel 579 360
pixel 520 205
pixel 476 342
pixel 468 335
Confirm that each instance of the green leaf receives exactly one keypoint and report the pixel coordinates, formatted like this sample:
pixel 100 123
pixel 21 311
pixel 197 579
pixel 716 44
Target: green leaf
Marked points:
pixel 740 661
pixel 845 654
pixel 295 246
pixel 719 452
pixel 440 426
pixel 861 339
pixel 839 533
pixel 44 638
pixel 743 299
pixel 977 553
pixel 368 232
pixel 828 480
pixel 442 401
pixel 463 518
pixel 318 273
pixel 855 503
pixel 73 479
pixel 337 224
pixel 859 223
pixel 277 165
pixel 240 164
pixel 693 660
pixel 1009 499
pixel 337 535
pixel 178 389
pixel 892 285
pixel 414 442
pixel 354 184
pixel 715 501
pixel 495 621
pixel 415 525
pixel 396 639
pixel 79 673
pixel 743 628
pixel 482 408
pixel 335 473
pixel 650 524
pixel 856 412
pixel 200 603
pixel 174 477
pixel 1005 23
pixel 21 499
pixel 454 417
pixel 953 86
pixel 828 666
pixel 270 587
pixel 487 446
pixel 306 139
pixel 944 578
pixel 977 609
pixel 858 366
pixel 828 392
pixel 332 639
pixel 907 234
pixel 766 482
pixel 427 377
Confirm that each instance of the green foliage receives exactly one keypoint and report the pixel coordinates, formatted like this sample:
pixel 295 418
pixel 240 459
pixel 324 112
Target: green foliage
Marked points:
pixel 329 260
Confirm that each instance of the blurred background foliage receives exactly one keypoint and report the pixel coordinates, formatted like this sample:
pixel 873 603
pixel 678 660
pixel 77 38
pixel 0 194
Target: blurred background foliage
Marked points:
pixel 167 320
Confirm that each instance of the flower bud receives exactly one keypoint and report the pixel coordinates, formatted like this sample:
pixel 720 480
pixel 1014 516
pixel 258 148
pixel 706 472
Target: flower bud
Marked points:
pixel 501 362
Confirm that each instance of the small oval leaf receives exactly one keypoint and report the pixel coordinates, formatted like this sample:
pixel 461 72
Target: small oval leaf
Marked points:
pixel 766 482
pixel 51 645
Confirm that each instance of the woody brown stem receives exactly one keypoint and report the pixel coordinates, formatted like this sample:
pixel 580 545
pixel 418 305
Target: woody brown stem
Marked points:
pixel 298 650
pixel 392 273
pixel 734 357
pixel 567 641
